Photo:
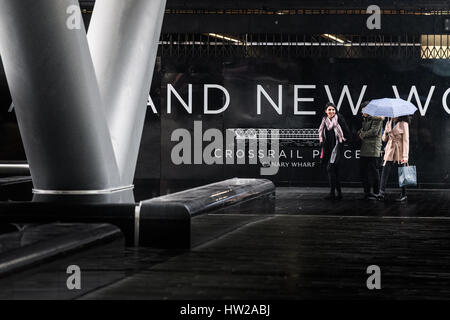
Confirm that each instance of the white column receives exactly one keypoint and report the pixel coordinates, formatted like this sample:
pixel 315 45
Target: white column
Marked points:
pixel 123 38
pixel 57 101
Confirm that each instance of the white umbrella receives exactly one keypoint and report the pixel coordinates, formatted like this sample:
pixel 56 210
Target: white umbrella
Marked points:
pixel 392 108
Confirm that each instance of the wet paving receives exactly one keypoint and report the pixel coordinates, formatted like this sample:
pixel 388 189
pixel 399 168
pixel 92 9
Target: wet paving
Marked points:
pixel 302 247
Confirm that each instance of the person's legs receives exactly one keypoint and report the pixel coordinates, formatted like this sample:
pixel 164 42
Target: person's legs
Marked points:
pixel 384 177
pixel 376 171
pixel 373 174
pixel 332 180
pixel 338 182
pixel 364 162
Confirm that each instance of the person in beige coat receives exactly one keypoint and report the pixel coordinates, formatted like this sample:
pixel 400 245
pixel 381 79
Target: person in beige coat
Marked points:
pixel 396 152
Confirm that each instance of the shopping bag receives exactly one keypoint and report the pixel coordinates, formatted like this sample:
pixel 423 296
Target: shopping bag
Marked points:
pixel 407 176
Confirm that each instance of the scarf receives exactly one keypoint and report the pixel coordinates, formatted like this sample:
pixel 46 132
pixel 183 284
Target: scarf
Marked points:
pixel 331 124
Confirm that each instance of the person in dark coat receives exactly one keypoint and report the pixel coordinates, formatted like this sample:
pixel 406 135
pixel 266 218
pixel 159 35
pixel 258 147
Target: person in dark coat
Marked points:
pixel 370 135
pixel 333 132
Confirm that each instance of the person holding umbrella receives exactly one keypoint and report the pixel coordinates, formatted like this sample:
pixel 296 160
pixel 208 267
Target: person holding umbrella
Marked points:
pixel 333 132
pixel 396 135
pixel 396 152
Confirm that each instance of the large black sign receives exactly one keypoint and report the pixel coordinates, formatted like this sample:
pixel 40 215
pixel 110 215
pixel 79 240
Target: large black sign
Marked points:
pixel 290 95
pixel 251 95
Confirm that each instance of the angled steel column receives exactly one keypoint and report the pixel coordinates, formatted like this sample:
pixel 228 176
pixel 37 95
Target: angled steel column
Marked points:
pixel 54 88
pixel 123 38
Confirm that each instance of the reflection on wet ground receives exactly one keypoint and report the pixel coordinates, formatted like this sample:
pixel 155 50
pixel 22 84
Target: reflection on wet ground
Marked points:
pixel 300 247
pixel 307 201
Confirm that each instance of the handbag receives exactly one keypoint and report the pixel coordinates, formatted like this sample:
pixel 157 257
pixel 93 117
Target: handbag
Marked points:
pixel 407 176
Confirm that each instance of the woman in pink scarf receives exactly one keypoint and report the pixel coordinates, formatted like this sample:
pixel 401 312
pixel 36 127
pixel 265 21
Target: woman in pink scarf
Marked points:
pixel 332 133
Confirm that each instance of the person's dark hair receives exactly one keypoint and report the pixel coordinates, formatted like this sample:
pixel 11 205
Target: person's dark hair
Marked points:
pixel 364 104
pixel 329 104
pixel 405 119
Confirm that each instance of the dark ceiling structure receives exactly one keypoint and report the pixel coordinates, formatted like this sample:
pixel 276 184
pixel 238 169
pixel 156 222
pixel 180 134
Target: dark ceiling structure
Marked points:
pixel 302 4
pixel 302 28
pixel 294 17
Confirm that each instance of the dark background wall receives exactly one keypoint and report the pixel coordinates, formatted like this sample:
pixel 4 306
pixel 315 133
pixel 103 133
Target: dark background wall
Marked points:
pixel 430 143
pixel 240 69
pixel 10 142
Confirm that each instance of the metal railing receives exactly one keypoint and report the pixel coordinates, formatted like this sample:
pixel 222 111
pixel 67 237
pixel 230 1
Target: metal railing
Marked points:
pixel 305 46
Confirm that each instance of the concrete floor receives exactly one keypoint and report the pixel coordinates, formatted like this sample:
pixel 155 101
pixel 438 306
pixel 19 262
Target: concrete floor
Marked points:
pixel 306 248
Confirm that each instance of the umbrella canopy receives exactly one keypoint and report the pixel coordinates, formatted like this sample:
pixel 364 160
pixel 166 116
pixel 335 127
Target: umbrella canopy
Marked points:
pixel 392 108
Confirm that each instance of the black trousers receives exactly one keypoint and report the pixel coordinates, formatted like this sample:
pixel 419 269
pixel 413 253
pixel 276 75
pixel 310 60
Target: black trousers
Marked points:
pixel 333 177
pixel 385 175
pixel 370 174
